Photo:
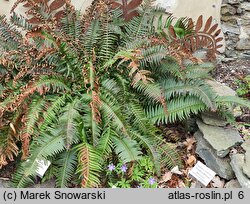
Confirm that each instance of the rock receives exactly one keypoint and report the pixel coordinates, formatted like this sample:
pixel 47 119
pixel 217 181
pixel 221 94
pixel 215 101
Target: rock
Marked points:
pixel 228 10
pixel 221 139
pixel 237 160
pixel 47 184
pixel 211 118
pixel 246 165
pixel 233 2
pixel 228 28
pixel 237 112
pixel 220 89
pixel 4 184
pixel 229 19
pixel 232 184
pixel 219 165
pixel 243 44
pixel 246 6
pixel 239 10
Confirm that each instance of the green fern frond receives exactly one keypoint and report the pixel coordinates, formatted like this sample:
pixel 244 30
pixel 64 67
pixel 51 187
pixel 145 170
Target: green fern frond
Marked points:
pixel 112 113
pixel 151 90
pixel 178 109
pixel 149 143
pixel 200 71
pixel 105 143
pixel 41 148
pixel 20 21
pixel 198 88
pixel 169 156
pixel 68 124
pixel 231 100
pixel 66 163
pixel 108 42
pixel 10 37
pixel 54 84
pixel 50 115
pixel 92 36
pixel 153 55
pixel 127 149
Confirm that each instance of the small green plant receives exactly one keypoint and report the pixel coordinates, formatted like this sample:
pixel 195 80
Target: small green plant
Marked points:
pixel 132 175
pixel 243 86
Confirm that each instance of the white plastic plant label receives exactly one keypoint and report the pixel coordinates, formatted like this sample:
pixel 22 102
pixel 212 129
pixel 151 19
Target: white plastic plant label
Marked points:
pixel 43 165
pixel 202 173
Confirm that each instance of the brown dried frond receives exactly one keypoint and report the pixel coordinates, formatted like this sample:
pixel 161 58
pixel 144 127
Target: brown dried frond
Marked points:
pixel 54 9
pixel 8 150
pixel 96 10
pixel 128 7
pixel 96 101
pixel 94 105
pixel 85 161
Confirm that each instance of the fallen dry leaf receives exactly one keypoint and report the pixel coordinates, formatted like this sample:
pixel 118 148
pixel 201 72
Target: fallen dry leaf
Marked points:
pixel 167 176
pixel 217 182
pixel 189 143
pixel 191 160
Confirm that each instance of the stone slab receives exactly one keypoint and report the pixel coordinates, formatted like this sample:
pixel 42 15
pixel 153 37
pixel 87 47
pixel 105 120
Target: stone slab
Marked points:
pixel 221 89
pixel 246 165
pixel 232 184
pixel 221 139
pixel 212 118
pixel 237 161
pixel 219 165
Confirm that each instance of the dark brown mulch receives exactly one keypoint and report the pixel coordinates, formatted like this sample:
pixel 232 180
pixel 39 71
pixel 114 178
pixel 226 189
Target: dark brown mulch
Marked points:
pixel 7 171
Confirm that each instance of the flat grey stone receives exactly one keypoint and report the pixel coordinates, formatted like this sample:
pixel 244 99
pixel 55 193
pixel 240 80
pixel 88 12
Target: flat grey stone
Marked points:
pixel 219 165
pixel 220 89
pixel 211 118
pixel 246 165
pixel 232 184
pixel 233 1
pixel 237 161
pixel 227 28
pixel 4 184
pixel 246 6
pixel 221 139
pixel 243 44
